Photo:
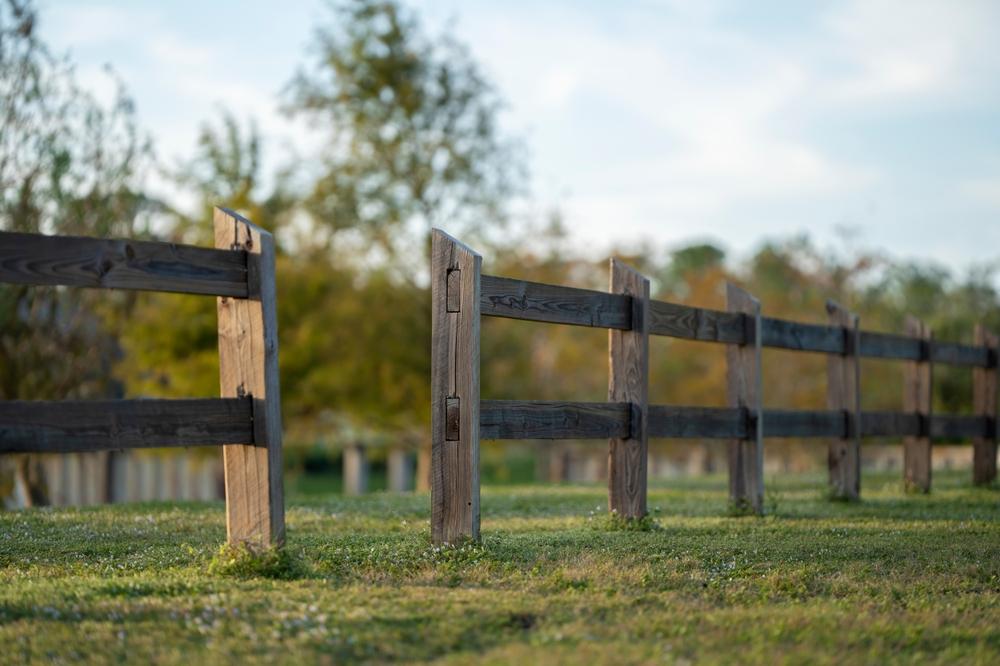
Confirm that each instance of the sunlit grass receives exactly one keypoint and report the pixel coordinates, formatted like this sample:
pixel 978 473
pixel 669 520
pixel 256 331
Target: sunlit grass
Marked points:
pixel 894 578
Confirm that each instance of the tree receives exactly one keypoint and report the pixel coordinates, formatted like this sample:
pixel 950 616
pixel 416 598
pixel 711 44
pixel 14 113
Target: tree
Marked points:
pixel 68 165
pixel 411 124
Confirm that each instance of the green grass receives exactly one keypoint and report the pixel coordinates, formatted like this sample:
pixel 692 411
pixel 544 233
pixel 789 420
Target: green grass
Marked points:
pixel 892 579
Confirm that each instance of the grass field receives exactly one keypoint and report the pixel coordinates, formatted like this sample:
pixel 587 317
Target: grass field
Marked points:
pixel 894 578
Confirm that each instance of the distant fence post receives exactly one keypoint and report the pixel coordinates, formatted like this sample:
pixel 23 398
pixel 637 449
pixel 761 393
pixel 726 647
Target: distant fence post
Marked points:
pixel 423 481
pixel 455 279
pixel 984 398
pixel 355 464
pixel 628 381
pixel 843 393
pixel 917 398
pixel 399 469
pixel 248 366
pixel 744 384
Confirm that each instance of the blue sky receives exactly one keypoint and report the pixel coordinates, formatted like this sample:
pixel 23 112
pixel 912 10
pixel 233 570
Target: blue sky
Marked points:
pixel 657 121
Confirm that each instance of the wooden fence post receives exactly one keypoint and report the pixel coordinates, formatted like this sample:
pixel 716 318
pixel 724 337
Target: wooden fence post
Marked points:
pixel 628 381
pixel 455 271
pixel 248 366
pixel 843 393
pixel 355 469
pixel 917 398
pixel 984 398
pixel 743 379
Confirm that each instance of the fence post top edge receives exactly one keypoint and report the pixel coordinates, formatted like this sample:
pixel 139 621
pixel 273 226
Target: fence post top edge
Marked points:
pixel 733 288
pixel 917 327
pixel 236 217
pixel 444 235
pixel 618 264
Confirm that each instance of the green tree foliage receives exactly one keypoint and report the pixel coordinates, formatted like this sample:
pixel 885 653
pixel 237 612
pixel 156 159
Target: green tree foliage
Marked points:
pixel 354 344
pixel 410 125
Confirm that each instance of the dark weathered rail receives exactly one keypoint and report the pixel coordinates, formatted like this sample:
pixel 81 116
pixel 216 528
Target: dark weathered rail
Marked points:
pixel 35 259
pixel 520 299
pixel 107 425
pixel 533 301
pixel 517 419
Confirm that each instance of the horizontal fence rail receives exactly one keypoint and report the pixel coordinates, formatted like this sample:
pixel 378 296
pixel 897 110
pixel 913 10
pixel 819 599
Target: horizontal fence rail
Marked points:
pixel 462 294
pixel 515 419
pixel 533 301
pixel 34 259
pixel 245 420
pixel 106 425
pixel 520 299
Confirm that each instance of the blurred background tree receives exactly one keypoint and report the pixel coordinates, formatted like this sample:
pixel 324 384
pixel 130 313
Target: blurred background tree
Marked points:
pixel 410 134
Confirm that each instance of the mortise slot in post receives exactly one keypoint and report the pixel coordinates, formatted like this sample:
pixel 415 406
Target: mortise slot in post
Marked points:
pixel 454 292
pixel 452 418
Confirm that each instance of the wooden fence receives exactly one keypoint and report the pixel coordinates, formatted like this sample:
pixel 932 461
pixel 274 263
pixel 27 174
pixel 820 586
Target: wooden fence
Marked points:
pixel 461 295
pixel 105 477
pixel 245 420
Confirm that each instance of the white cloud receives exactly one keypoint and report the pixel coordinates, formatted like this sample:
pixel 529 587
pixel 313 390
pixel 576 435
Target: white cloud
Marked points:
pixel 717 98
pixel 983 191
pixel 659 119
pixel 906 48
pixel 96 24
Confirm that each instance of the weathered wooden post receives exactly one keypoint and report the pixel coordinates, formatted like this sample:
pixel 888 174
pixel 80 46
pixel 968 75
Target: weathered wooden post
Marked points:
pixel 843 393
pixel 399 469
pixel 248 366
pixel 744 384
pixel 455 271
pixel 628 381
pixel 355 469
pixel 917 398
pixel 984 398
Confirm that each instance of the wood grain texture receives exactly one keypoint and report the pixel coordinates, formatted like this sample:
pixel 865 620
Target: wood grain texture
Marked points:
pixel 886 345
pixel 917 398
pixel 984 404
pixel 454 380
pixel 958 426
pixel 534 301
pixel 803 423
pixel 784 334
pixel 104 425
pixel 515 419
pixel 628 381
pixel 121 264
pixel 683 321
pixel 744 390
pixel 684 422
pixel 890 424
pixel 843 394
pixel 248 366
